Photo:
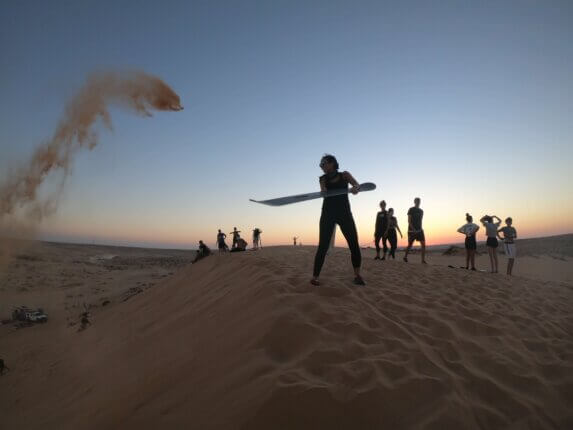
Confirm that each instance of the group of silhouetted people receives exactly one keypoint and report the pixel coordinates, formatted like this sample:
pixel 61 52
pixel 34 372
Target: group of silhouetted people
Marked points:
pixel 336 210
pixel 387 225
pixel 239 244
pixel 493 233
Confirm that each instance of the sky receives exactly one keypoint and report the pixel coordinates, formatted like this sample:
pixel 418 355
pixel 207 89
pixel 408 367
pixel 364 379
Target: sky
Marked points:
pixel 467 105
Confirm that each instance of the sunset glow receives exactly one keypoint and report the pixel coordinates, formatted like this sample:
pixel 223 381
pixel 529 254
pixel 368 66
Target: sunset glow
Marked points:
pixel 462 106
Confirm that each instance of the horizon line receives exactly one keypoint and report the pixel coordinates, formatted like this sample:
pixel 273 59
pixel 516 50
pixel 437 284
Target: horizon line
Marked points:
pixel 144 245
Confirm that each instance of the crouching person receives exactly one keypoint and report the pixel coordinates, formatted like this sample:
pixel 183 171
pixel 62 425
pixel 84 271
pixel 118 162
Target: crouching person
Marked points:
pixel 202 252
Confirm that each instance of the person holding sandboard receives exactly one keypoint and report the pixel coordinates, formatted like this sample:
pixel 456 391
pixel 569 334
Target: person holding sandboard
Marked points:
pixel 336 210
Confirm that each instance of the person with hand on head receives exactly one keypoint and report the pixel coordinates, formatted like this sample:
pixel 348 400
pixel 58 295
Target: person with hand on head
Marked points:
pixel 491 234
pixel 469 229
pixel 336 210
pixel 257 238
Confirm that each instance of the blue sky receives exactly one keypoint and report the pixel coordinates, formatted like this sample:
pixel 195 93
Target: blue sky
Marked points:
pixel 467 105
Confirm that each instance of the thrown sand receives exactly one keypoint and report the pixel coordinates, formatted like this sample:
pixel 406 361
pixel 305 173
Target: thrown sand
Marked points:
pixel 244 342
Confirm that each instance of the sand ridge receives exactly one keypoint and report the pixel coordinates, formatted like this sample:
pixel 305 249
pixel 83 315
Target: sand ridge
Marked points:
pixel 244 341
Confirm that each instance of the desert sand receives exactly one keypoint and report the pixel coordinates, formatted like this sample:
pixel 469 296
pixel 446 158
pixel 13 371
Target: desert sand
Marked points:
pixel 243 341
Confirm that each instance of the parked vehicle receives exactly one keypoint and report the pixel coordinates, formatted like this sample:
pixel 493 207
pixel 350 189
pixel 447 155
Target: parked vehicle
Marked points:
pixel 23 313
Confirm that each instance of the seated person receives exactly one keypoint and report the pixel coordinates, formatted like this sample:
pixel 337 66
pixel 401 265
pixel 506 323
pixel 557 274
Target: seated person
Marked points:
pixel 241 245
pixel 203 251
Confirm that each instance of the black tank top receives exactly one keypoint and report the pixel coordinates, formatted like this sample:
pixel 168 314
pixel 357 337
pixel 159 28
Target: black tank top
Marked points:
pixel 392 223
pixel 381 221
pixel 335 182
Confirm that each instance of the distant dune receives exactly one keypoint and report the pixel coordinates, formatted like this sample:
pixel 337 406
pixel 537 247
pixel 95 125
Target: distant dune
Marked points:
pixel 244 342
pixel 561 245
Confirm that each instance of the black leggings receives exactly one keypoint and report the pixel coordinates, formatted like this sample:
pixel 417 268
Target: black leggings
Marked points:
pixel 377 243
pixel 393 239
pixel 328 221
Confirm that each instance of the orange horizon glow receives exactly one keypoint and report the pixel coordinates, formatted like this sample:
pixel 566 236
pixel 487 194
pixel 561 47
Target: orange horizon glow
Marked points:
pixel 174 229
pixel 434 237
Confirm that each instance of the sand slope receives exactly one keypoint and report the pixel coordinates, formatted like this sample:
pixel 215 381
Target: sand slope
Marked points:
pixel 243 342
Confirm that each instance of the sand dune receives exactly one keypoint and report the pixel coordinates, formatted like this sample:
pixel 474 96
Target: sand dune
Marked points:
pixel 244 342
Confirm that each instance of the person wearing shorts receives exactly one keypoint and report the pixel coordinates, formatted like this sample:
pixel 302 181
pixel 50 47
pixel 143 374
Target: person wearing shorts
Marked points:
pixel 509 235
pixel 469 230
pixel 257 238
pixel 491 228
pixel 221 242
pixel 415 230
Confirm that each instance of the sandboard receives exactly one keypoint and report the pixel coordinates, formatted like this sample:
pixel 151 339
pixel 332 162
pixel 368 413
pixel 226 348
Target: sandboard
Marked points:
pixel 464 268
pixel 281 201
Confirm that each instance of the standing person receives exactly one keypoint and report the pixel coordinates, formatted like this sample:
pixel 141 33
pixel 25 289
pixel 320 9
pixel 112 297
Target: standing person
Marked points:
pixel 415 230
pixel 390 233
pixel 491 233
pixel 469 229
pixel 257 238
pixel 379 230
pixel 509 235
pixel 236 237
pixel 221 242
pixel 336 210
pixel 294 239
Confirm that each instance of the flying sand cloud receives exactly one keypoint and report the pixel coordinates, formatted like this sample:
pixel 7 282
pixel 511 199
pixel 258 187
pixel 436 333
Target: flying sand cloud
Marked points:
pixel 136 91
